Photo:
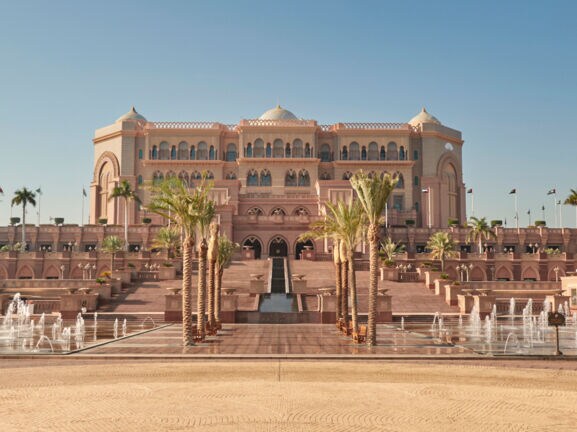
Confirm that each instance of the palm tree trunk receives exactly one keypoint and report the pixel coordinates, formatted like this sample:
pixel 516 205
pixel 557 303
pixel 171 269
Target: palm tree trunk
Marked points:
pixel 187 336
pixel 111 263
pixel 353 289
pixel 373 236
pixel 201 295
pixel 217 292
pixel 339 289
pixel 211 292
pixel 23 247
pixel 345 290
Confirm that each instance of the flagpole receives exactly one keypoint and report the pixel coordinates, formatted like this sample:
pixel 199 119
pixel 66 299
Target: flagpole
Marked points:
pixel 560 214
pixel 82 219
pixel 555 211
pixel 39 197
pixel 472 203
pixel 516 211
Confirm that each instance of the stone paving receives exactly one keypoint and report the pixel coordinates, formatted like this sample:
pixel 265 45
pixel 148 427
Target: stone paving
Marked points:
pixel 278 339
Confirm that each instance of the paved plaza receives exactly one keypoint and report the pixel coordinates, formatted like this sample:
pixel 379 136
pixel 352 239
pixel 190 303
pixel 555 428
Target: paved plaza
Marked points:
pixel 281 395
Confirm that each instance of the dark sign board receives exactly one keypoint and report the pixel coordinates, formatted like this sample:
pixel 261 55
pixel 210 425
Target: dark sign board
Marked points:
pixel 556 319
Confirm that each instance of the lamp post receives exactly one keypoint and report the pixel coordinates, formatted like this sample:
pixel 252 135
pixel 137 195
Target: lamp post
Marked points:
pixel 556 270
pixel 428 191
pixel 62 271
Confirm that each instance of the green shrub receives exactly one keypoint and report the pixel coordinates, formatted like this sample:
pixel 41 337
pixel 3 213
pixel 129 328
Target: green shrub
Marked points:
pixel 102 221
pixel 541 223
pixel 496 222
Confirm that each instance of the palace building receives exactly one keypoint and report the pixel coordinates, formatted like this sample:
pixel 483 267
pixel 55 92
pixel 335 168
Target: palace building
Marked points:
pixel 271 175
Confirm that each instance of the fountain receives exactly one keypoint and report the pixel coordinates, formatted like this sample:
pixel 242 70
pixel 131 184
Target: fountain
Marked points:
pixel 124 328
pixel 115 329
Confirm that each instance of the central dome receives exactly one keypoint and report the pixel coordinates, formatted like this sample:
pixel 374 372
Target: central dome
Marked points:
pixel 278 113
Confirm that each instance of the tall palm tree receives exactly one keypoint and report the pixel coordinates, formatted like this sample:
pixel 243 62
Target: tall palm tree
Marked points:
pixel 112 245
pixel 479 231
pixel 173 200
pixel 206 211
pixel 338 276
pixel 390 250
pixel 23 197
pixel 125 192
pixel 167 238
pixel 373 193
pixel 442 246
pixel 212 258
pixel 572 200
pixel 226 249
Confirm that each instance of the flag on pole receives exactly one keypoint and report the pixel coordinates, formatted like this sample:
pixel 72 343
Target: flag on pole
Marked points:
pixel 552 191
pixel 543 208
pixel 470 191
pixel 39 191
pixel 529 211
pixel 84 192
pixel 1 190
pixel 513 191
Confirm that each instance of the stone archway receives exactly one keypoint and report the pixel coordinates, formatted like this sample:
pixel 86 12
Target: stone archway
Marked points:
pixel 254 244
pixel 25 272
pixel 278 247
pixel 52 273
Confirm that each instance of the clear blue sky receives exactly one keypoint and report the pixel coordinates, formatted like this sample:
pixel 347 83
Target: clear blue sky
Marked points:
pixel 502 72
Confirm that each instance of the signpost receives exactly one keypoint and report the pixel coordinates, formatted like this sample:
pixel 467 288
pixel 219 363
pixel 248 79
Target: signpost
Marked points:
pixel 556 319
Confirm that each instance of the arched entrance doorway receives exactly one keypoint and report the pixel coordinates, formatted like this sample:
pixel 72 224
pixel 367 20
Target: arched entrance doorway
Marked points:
pixel 302 245
pixel 278 247
pixel 254 244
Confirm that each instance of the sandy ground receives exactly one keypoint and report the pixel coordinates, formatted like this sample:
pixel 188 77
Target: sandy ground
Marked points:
pixel 286 396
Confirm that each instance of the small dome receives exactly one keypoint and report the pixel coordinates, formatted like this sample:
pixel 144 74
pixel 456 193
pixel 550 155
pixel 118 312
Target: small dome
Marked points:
pixel 131 115
pixel 278 113
pixel 423 117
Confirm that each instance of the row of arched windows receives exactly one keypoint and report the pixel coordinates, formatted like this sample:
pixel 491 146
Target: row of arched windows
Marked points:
pixel 356 152
pixel 201 151
pixel 292 178
pixel 187 178
pixel 278 149
pixel 297 211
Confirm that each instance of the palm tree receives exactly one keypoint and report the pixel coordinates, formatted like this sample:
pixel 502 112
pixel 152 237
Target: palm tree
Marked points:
pixel 167 238
pixel 442 247
pixel 212 258
pixel 112 245
pixel 125 192
pixel 479 230
pixel 572 200
pixel 373 193
pixel 338 276
pixel 172 199
pixel 226 249
pixel 206 211
pixel 390 250
pixel 23 197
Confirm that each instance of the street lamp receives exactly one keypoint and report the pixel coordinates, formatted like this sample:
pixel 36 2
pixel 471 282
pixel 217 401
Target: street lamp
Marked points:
pixel 429 192
pixel 556 270
pixel 62 271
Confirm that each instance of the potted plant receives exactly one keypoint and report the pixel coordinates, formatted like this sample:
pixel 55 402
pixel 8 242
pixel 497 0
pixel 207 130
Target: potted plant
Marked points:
pixel 103 221
pixel 410 222
pixel 453 222
pixel 58 220
pixel 540 223
pixel 167 271
pixel 496 223
pixel 146 220
pixel 14 220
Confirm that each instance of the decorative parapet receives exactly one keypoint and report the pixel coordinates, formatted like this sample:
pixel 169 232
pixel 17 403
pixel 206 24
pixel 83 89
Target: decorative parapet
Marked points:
pixel 185 125
pixel 277 123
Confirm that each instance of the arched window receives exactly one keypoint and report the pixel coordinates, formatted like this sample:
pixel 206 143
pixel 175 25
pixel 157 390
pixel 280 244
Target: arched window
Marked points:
pixel 268 150
pixel 277 148
pixel 347 175
pixel 183 150
pixel 325 153
pixel 354 152
pixel 255 211
pixel 249 150
pixel 196 175
pixel 290 178
pixel 157 177
pixel 154 153
pixel 287 150
pixel 140 154
pixel 415 154
pixel 258 148
pixel 202 151
pixel 416 181
pixel 307 150
pixel 402 153
pixel 192 153
pixel 325 176
pixel 231 152
pixel 211 153
pixel 277 211
pixel 301 211
pixel 139 179
pixel 400 181
pixel 231 176
pixel 173 153
pixel 183 177
pixel 252 178
pixel 298 148
pixel 383 174
pixel 450 179
pixel 363 153
pixel 372 174
pixel 164 151
pixel 392 151
pixel 373 151
pixel 344 153
pixel 304 178
pixel 170 174
pixel 382 154
pixel 265 178
pixel 209 175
